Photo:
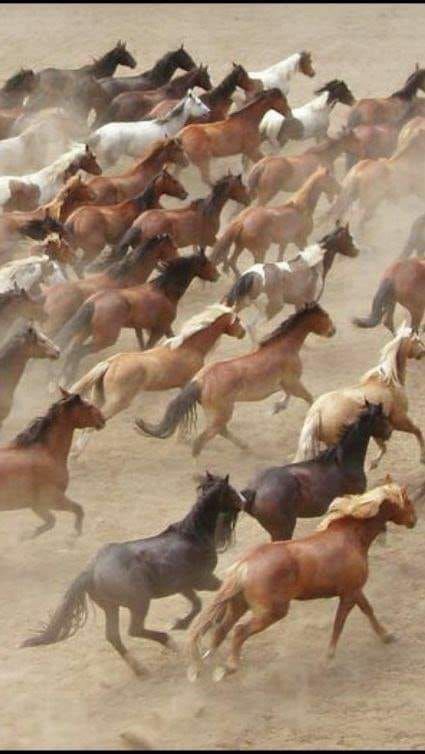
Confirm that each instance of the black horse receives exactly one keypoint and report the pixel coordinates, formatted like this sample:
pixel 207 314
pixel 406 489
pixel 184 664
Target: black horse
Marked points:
pixel 181 559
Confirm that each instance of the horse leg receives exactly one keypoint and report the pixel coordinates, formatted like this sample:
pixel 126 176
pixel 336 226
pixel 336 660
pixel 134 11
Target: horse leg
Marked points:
pixel 112 633
pixel 49 522
pixel 140 337
pixel 205 172
pixel 367 609
pixel 281 404
pixel 388 320
pixel 66 504
pixel 182 623
pixel 154 336
pixel 138 630
pixel 297 389
pixel 382 445
pixel 345 606
pixel 404 424
pixel 228 435
pixel 281 252
pixel 218 421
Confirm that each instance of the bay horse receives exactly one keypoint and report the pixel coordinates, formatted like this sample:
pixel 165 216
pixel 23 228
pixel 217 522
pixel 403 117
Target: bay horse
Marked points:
pixel 114 383
pixel 269 576
pixel 299 281
pixel 155 77
pixel 62 300
pixel 33 466
pixel 275 366
pixel 112 189
pixel 27 343
pixel 392 109
pixel 179 560
pixel 150 307
pixel 197 224
pixel 256 228
pixel 92 227
pixel 385 383
pixel 237 134
pixel 16 88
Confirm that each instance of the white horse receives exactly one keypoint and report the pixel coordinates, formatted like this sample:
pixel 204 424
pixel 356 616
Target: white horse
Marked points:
pixel 314 115
pixel 28 273
pixel 113 140
pixel 280 74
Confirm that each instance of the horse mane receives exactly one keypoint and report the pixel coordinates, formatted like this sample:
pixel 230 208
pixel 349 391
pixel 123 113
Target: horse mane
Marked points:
pixel 37 430
pixel 288 324
pixel 157 146
pixel 15 81
pixel 171 269
pixel 387 369
pixel 108 55
pixel 410 84
pixel 164 60
pixel 261 95
pixel 362 506
pixel 191 524
pixel 124 266
pixel 329 86
pixel 208 201
pixel 227 85
pixel 176 110
pixel 199 322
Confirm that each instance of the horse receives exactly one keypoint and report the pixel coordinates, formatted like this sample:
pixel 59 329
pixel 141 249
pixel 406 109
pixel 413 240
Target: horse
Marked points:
pixel 27 343
pixel 61 301
pixel 385 383
pixel 273 367
pixel 131 106
pixel 314 116
pixel 114 383
pixel 370 142
pixel 15 303
pixel 237 134
pixel 91 227
pixel 411 128
pixel 256 228
pixel 370 182
pixel 299 281
pixel 149 307
pixel 196 224
pixel 155 77
pixel 280 74
pixel 179 560
pixel 16 88
pixel 113 189
pixel 392 109
pixel 29 272
pixel 270 575
pixel 416 239
pixel 35 146
pixel 14 228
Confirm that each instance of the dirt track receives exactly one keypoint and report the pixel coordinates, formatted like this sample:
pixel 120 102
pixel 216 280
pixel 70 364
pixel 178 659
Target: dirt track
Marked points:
pixel 79 693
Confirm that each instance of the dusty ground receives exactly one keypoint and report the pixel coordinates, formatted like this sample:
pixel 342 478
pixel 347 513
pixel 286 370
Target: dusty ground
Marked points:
pixel 79 693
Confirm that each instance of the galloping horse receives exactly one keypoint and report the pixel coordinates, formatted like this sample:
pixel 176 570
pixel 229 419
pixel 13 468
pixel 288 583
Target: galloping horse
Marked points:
pixel 16 88
pixel 273 367
pixel 269 576
pixel 392 109
pixel 280 74
pixel 151 79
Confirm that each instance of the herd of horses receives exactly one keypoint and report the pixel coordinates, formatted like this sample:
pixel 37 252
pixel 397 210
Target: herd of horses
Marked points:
pixel 84 255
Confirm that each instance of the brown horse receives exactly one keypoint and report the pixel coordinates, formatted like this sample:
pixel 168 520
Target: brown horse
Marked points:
pixel 114 189
pixel 151 307
pixel 156 76
pixel 63 299
pixel 332 562
pixel 92 227
pixel 17 87
pixel 392 109
pixel 238 134
pixel 273 367
pixel 196 224
pixel 370 142
pixel 33 467
pixel 72 195
pixel 256 228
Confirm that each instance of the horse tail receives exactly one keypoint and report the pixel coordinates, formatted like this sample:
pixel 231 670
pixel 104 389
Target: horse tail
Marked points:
pixel 93 378
pixel 253 179
pixel 223 244
pixel 131 237
pixel 70 616
pixel 180 411
pixel 81 319
pixel 240 289
pixel 384 298
pixel 309 442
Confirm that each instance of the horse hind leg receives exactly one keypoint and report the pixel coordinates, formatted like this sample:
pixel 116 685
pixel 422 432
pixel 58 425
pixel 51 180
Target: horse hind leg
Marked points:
pixel 366 608
pixel 228 435
pixel 138 630
pixel 182 623
pixel 66 504
pixel 49 522
pixel 112 633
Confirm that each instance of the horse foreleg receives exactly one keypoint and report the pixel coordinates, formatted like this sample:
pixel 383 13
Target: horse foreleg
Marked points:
pixel 345 606
pixel 228 435
pixel 205 172
pixel 182 623
pixel 66 504
pixel 140 337
pixel 367 609
pixel 297 389
pixel 382 445
pixel 403 423
pixel 49 522
pixel 281 404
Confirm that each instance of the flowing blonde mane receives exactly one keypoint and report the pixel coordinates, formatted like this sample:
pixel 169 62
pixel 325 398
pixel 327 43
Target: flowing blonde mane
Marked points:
pixel 387 369
pixel 362 506
pixel 197 323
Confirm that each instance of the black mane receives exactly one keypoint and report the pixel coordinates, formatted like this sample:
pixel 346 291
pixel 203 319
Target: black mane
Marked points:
pixel 37 430
pixel 288 324
pixel 124 266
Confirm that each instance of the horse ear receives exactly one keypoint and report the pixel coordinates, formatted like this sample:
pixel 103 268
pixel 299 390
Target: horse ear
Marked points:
pixel 388 479
pixel 226 479
pixel 64 392
pixel 208 475
pixel 366 403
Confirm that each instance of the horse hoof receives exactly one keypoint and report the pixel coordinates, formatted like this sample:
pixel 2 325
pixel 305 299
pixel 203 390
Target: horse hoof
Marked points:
pixel 219 673
pixel 192 674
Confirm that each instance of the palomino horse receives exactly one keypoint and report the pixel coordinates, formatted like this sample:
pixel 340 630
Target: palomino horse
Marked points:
pixel 238 134
pixel 370 182
pixel 271 575
pixel 280 74
pixel 179 560
pixel 299 281
pixel 196 224
pixel 63 300
pixel 17 87
pixel 313 117
pixel 392 109
pixel 153 78
pixel 115 382
pixel 114 140
pixel 94 226
pixel 114 189
pixel 275 366
pixel 332 411
pixel 27 343
pixel 256 228
pixel 151 307
pixel 33 466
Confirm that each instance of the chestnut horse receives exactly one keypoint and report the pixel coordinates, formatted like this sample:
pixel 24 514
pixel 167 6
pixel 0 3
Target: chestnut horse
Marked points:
pixel 256 228
pixel 151 307
pixel 331 562
pixel 392 109
pixel 273 367
pixel 238 134
pixel 73 194
pixel 33 467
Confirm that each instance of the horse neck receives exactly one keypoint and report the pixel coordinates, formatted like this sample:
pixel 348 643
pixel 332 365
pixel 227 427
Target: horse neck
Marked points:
pixel 59 437
pixel 328 259
pixel 181 84
pixel 141 203
pixel 288 67
pixel 105 66
pixel 362 531
pixel 204 340
pixel 408 91
pixel 294 338
pixel 175 288
pixel 254 112
pixel 215 202
pixel 163 70
pixel 353 447
pixel 308 195
pixel 202 518
pixel 330 153
pixel 15 357
pixel 154 163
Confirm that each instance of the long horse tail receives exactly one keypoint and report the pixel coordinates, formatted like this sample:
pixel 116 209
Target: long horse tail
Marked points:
pixel 131 237
pixel 240 289
pixel 92 379
pixel 223 244
pixel 383 299
pixel 81 320
pixel 180 411
pixel 70 616
pixel 309 442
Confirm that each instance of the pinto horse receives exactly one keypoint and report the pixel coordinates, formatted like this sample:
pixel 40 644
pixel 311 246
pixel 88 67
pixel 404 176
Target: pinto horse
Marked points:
pixel 392 109
pixel 269 576
pixel 280 74
pixel 273 367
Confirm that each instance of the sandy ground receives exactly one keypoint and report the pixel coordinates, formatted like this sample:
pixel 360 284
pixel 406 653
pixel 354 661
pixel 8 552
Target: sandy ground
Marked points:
pixel 79 693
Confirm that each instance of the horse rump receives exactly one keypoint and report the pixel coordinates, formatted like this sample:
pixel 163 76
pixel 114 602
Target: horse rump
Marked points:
pixel 383 300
